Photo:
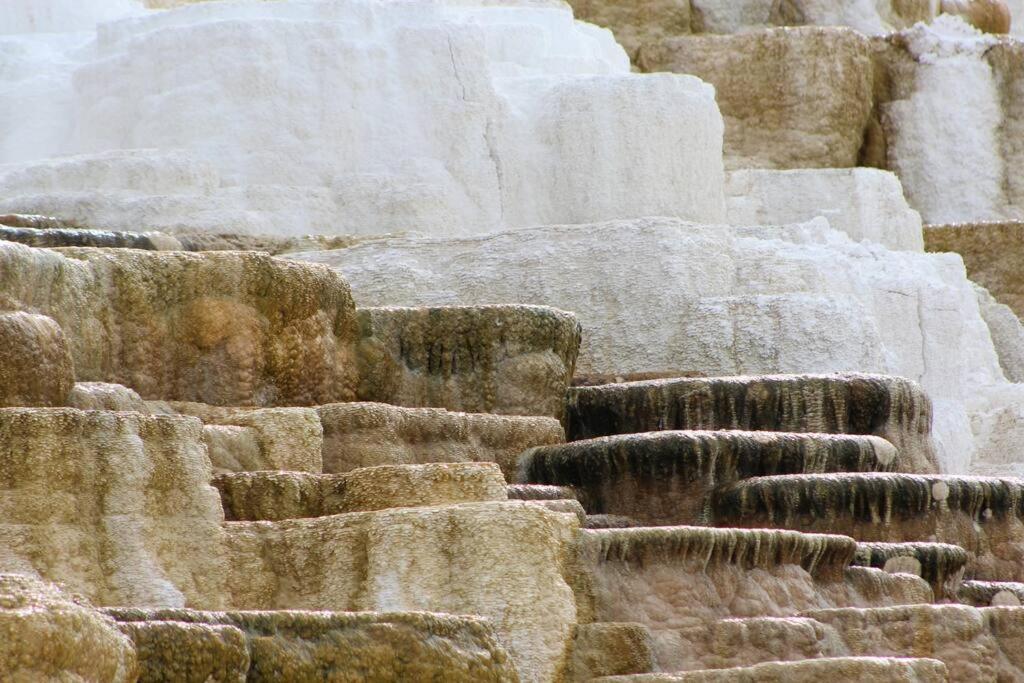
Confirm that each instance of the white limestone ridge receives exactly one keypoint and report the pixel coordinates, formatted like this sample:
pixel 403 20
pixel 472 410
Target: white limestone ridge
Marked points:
pixel 358 116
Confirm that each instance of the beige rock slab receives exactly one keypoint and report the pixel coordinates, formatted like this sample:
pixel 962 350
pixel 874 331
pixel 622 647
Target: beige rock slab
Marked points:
pixel 316 646
pixel 226 328
pixel 45 635
pixel 116 506
pixel 506 561
pixel 36 368
pixel 511 360
pixel 790 97
pixel 874 669
pixel 274 496
pixel 368 434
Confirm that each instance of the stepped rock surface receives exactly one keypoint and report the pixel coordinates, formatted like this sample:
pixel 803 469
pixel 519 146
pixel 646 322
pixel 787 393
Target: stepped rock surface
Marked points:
pixel 892 408
pixel 883 670
pixel 514 360
pixel 665 477
pixel 982 515
pixel 451 340
pixel 772 300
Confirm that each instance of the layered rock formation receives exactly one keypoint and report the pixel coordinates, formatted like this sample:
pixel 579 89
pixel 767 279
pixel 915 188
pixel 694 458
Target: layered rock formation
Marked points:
pixel 764 380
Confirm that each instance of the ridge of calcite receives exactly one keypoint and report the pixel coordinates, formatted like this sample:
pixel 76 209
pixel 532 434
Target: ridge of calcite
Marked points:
pixel 875 669
pixel 983 515
pixel 222 328
pixel 274 496
pixel 36 368
pixel 661 478
pixel 106 396
pixel 890 407
pixel 940 564
pixel 116 506
pixel 46 635
pixel 313 646
pixel 77 237
pixel 510 360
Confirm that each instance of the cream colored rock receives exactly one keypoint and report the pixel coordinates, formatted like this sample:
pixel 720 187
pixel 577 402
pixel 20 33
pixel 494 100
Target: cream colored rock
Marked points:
pixel 1007 334
pixel 36 368
pixel 289 495
pixel 610 649
pixel 115 506
pixel 222 328
pixel 875 669
pixel 638 23
pixel 505 561
pixel 45 635
pixel 103 396
pixel 249 440
pixel 317 646
pixel 791 98
pixel 865 203
pixel 990 252
pixel 368 434
pixel 513 360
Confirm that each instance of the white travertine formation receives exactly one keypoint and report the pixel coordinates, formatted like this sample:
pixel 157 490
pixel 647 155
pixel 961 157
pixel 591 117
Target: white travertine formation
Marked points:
pixel 442 117
pixel 865 203
pixel 661 294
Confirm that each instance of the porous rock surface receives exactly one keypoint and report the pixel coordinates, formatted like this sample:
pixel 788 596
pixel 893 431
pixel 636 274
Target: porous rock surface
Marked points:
pixel 46 635
pixel 220 328
pixel 36 368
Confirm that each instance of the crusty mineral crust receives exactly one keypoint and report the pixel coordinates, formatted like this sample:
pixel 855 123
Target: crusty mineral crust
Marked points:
pixel 511 360
pixel 660 478
pixel 314 646
pixel 790 97
pixel 45 635
pixel 368 434
pixel 36 368
pixel 225 328
pixel 250 496
pixel 940 564
pixel 116 506
pixel 893 408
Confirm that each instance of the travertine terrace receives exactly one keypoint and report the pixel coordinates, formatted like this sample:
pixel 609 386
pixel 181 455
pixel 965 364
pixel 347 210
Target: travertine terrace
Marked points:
pixel 511 340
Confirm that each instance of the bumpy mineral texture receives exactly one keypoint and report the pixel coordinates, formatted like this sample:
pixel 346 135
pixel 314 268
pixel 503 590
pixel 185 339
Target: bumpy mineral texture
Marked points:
pixel 290 495
pixel 890 407
pixel 314 646
pixel 116 506
pixel 368 434
pixel 991 252
pixel 36 368
pixel 661 478
pixel 222 328
pixel 875 669
pixel 47 636
pixel 506 561
pixel 791 98
pixel 512 360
